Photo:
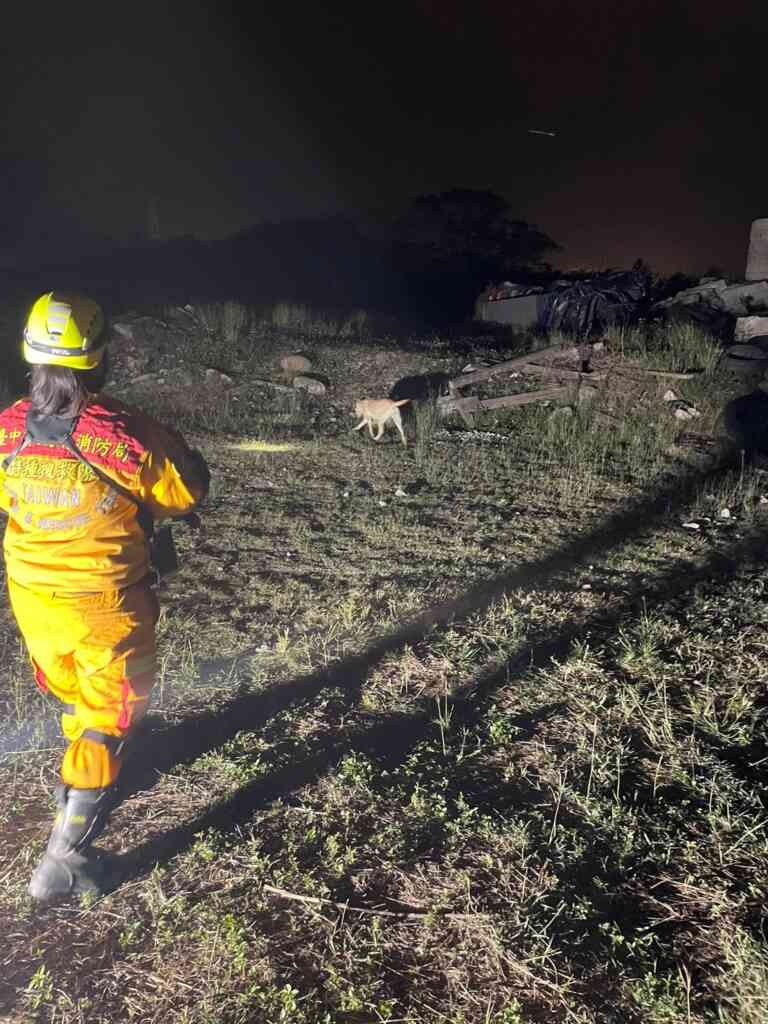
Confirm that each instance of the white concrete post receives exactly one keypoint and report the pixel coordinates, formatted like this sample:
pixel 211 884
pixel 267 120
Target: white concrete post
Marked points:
pixel 757 257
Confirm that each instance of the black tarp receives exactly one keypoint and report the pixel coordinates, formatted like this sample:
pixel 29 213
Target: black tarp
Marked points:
pixel 587 307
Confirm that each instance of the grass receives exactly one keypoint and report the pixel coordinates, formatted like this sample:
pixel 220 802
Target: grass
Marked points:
pixel 463 734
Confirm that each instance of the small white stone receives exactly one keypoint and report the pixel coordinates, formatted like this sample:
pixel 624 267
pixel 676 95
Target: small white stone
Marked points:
pixel 691 526
pixel 725 513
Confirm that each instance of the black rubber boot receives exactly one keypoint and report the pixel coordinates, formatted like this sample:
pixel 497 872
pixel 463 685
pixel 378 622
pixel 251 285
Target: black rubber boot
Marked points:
pixel 69 866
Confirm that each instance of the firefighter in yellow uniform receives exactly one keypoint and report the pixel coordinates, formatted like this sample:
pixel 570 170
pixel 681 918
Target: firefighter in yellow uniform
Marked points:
pixel 82 478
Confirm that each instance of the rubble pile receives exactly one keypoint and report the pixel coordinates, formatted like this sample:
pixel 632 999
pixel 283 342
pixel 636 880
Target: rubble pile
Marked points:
pixel 736 311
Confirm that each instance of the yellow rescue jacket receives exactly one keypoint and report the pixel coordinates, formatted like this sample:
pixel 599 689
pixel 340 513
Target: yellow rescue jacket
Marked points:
pixel 70 532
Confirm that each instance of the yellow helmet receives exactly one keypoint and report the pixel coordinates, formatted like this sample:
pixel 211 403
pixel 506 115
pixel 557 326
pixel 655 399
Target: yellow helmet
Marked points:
pixel 64 330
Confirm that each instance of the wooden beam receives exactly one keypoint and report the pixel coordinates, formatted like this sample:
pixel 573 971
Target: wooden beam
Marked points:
pixel 568 351
pixel 463 379
pixel 448 405
pixel 665 373
pixel 556 371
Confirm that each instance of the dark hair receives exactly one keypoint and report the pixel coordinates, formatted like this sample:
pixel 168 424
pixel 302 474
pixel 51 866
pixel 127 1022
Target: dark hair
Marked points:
pixel 60 391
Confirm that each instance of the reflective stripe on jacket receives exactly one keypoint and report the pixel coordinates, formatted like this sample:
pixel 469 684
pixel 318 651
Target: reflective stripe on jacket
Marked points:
pixel 68 531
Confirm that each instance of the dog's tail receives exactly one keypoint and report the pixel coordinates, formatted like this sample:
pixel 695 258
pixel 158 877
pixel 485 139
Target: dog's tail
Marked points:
pixel 402 401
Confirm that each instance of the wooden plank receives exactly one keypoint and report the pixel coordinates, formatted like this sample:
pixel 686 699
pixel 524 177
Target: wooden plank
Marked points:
pixel 448 405
pixel 555 371
pixel 665 373
pixel 463 379
pixel 580 352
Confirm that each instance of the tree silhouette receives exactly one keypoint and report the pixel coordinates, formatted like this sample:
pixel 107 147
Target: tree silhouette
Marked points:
pixel 469 231
pixel 448 247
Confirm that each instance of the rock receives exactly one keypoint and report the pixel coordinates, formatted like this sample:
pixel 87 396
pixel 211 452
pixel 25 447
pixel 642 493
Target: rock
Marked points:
pixel 745 299
pixel 707 292
pixel 124 330
pixel 400 493
pixel 215 378
pixel 725 513
pixel 295 364
pixel 670 395
pixel 702 305
pixel 691 526
pixel 710 301
pixel 684 411
pixel 309 384
pixel 748 327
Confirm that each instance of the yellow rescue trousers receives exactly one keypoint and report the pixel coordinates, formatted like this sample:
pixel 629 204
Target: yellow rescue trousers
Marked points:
pixel 96 654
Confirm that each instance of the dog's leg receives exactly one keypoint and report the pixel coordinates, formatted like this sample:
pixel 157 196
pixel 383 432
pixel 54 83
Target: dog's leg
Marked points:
pixel 381 431
pixel 399 424
pixel 360 424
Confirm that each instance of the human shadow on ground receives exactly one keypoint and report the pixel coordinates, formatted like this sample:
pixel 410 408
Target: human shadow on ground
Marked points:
pixel 387 741
pixel 390 737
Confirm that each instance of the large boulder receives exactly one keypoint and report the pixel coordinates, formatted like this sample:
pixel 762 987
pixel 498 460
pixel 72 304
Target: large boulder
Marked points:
pixel 702 304
pixel 745 299
pixel 716 305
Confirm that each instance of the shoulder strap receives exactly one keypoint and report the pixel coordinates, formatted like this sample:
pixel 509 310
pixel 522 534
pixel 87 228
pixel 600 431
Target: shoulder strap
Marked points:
pixel 16 451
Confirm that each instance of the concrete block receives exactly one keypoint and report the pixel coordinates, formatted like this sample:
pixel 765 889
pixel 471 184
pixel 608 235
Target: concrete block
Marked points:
pixel 522 312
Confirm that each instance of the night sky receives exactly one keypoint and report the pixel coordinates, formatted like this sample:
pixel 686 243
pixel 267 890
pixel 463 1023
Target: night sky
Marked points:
pixel 236 114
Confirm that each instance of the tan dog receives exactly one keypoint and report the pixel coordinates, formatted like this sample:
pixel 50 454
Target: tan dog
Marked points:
pixel 378 411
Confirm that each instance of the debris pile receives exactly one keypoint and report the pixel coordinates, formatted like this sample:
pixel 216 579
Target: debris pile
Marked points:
pixel 586 308
pixel 583 308
pixel 721 307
